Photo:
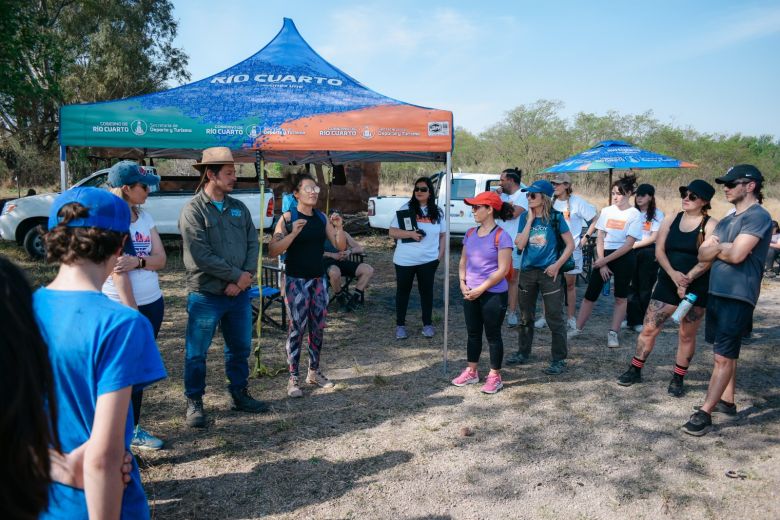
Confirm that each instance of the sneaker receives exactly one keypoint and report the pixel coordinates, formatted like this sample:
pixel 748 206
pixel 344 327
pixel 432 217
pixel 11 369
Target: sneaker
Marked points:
pixel 541 323
pixel 428 331
pixel 516 359
pixel 492 384
pixel 244 402
pixel 676 387
pixel 699 424
pixel 573 333
pixel 400 332
pixel 631 376
pixel 723 408
pixel 571 323
pixel 316 377
pixel 556 368
pixel 196 418
pixel 293 388
pixel 511 320
pixel 467 377
pixel 612 339
pixel 623 324
pixel 144 440
pixel 638 328
pixel 343 299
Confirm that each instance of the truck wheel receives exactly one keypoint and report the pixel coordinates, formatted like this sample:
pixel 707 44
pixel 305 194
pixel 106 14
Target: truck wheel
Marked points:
pixel 33 242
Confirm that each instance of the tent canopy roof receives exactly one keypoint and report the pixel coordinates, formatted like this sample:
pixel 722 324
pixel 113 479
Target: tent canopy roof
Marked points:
pixel 285 101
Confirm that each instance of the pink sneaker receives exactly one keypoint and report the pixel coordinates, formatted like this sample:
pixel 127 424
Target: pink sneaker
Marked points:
pixel 467 377
pixel 492 384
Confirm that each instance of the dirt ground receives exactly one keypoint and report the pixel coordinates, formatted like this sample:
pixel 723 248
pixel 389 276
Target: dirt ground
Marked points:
pixel 387 442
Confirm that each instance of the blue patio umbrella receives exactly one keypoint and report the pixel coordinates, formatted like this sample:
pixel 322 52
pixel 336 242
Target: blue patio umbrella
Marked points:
pixel 616 155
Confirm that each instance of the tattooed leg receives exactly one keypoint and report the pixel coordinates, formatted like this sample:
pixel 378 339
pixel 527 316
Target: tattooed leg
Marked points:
pixel 689 326
pixel 657 314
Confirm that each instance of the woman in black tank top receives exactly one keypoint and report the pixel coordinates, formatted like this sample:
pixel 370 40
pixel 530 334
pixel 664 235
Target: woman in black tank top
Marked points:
pixel 680 273
pixel 305 294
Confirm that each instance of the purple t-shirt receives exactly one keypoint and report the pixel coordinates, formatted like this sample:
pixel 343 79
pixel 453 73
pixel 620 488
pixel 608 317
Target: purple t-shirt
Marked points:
pixel 482 257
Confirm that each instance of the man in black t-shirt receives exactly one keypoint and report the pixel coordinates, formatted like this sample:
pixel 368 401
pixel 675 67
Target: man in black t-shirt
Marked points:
pixel 737 250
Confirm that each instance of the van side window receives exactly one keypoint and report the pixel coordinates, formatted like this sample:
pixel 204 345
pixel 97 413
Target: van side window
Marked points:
pixel 463 188
pixel 493 185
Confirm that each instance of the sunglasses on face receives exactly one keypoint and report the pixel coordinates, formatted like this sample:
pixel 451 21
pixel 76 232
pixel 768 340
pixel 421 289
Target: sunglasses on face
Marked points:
pixel 311 189
pixel 531 196
pixel 421 189
pixel 476 207
pixel 689 195
pixel 732 185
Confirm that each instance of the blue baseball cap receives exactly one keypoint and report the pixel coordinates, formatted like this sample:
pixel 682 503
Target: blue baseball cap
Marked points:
pixel 106 210
pixel 541 186
pixel 127 173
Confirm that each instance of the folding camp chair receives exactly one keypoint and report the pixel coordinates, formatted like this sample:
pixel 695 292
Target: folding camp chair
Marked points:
pixel 346 280
pixel 267 294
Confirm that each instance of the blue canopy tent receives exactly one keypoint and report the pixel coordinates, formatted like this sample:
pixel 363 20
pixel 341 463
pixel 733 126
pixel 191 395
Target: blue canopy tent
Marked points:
pixel 615 155
pixel 283 104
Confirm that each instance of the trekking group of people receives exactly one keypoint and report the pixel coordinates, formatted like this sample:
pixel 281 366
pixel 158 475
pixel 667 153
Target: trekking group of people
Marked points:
pixel 81 417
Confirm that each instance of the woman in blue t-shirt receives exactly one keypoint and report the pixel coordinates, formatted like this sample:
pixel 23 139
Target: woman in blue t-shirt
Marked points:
pixel 99 351
pixel 540 266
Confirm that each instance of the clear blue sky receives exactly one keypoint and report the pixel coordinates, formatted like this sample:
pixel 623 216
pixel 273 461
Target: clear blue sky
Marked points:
pixel 713 65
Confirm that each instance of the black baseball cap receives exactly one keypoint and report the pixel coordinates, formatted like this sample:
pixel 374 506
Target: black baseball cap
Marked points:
pixel 645 189
pixel 703 189
pixel 741 171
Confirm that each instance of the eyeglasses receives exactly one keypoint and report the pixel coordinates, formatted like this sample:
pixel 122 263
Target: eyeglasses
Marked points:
pixel 421 189
pixel 311 189
pixel 731 185
pixel 531 195
pixel 689 195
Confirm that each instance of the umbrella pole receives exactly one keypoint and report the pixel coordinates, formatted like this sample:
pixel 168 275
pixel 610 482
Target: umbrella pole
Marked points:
pixel 260 369
pixel 609 189
pixel 447 185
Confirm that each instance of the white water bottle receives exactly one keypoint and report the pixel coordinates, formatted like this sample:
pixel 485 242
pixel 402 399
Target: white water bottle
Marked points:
pixel 684 307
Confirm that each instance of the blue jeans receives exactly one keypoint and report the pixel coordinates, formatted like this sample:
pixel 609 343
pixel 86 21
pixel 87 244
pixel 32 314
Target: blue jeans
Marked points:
pixel 234 315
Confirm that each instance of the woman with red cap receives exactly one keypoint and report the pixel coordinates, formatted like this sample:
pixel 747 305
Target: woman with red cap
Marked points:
pixel 484 264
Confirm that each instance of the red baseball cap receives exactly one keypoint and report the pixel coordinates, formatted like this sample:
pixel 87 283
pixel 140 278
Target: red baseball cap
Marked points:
pixel 486 198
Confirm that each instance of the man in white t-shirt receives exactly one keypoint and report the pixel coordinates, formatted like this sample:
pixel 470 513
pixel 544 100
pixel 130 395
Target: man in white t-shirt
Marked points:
pixel 510 192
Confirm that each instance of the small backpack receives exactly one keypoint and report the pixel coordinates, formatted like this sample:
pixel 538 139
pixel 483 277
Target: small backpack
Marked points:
pixel 294 216
pixel 496 238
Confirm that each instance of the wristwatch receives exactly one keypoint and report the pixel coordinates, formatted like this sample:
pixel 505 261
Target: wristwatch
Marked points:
pixel 141 263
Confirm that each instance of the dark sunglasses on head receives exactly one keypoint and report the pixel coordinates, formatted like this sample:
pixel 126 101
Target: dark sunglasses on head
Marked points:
pixel 421 189
pixel 689 195
pixel 531 195
pixel 733 184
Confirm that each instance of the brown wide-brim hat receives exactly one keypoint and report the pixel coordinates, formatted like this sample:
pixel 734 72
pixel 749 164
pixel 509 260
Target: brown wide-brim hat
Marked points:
pixel 214 156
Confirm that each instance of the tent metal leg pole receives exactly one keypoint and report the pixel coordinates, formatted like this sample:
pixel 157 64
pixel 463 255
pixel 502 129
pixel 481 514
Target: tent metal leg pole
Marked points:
pixel 609 189
pixel 63 170
pixel 447 186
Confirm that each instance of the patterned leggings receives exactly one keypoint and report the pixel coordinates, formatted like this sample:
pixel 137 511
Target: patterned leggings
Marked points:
pixel 307 304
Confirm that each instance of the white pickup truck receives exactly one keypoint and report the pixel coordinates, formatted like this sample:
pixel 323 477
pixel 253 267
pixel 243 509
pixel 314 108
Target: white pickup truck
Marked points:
pixel 464 185
pixel 20 218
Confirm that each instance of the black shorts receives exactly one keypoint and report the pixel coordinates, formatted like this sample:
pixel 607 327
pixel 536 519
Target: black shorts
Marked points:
pixel 347 267
pixel 665 290
pixel 622 272
pixel 727 321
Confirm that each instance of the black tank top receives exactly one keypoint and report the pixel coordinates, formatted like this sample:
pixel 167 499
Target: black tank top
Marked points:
pixel 304 256
pixel 681 248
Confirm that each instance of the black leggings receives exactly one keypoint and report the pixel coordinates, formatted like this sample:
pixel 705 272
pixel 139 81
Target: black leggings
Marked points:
pixel 404 279
pixel 645 276
pixel 485 313
pixel 154 313
pixel 622 271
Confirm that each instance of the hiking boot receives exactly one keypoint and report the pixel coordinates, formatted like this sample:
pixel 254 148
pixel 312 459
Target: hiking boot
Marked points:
pixel 573 333
pixel 196 418
pixel 467 377
pixel 699 424
pixel 676 387
pixel 571 323
pixel 723 408
pixel 293 388
pixel 144 440
pixel 516 359
pixel 492 384
pixel 244 402
pixel 428 331
pixel 540 323
pixel 511 319
pixel 400 332
pixel 355 302
pixel 630 376
pixel 612 339
pixel 556 368
pixel 316 377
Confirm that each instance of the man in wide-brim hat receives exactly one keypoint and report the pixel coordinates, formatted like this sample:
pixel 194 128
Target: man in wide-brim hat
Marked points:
pixel 220 254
